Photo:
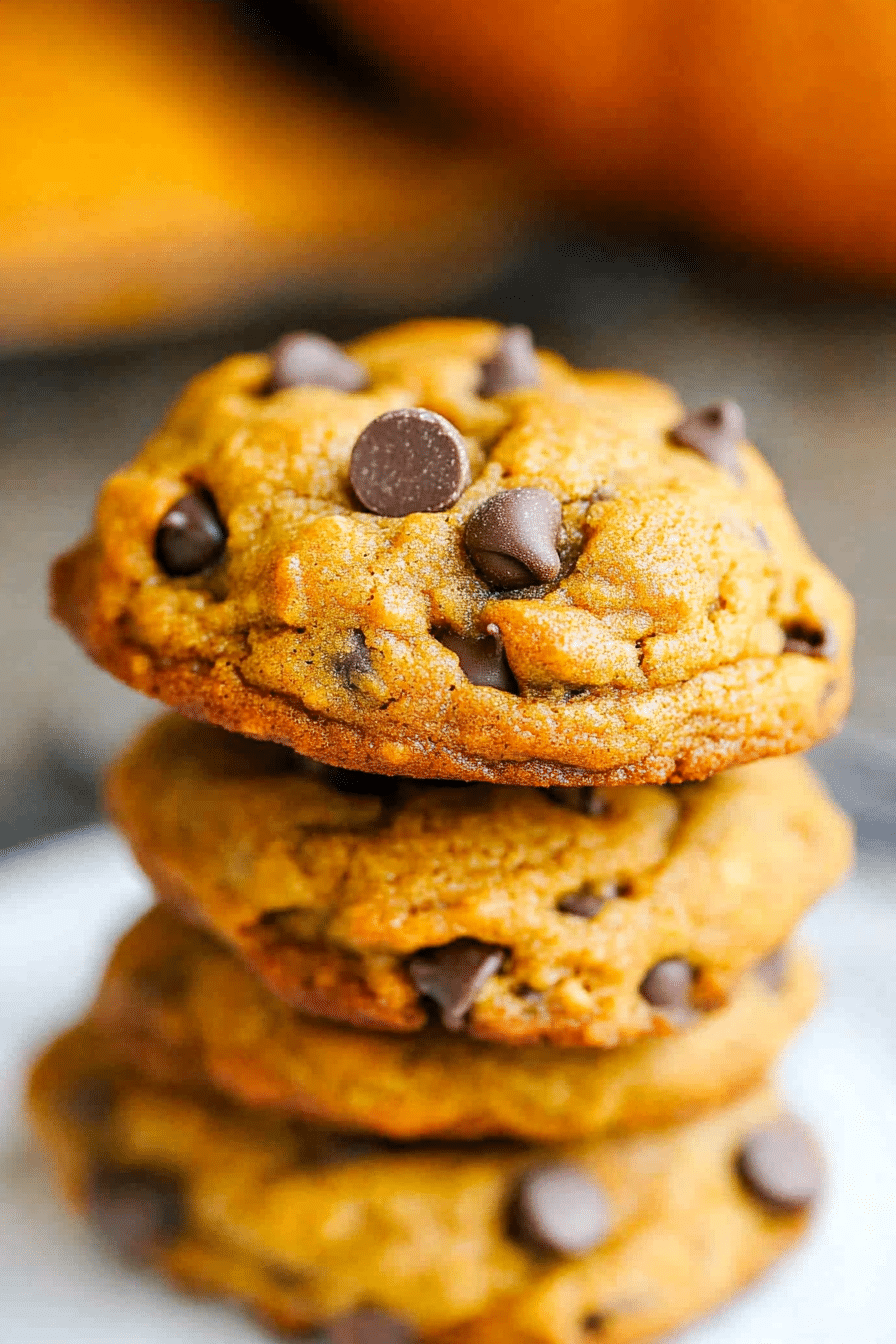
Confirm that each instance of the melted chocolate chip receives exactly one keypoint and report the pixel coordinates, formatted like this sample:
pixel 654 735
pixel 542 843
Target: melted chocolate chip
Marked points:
pixel 512 538
pixel 409 461
pixel 781 1164
pixel 453 975
pixel 715 432
pixel 136 1209
pixel 557 1208
pixel 191 536
pixel 369 1325
pixel 813 641
pixel 90 1102
pixel 774 969
pixel 668 983
pixel 587 901
pixel 304 359
pixel 514 364
pixel 580 798
pixel 482 661
pixel 354 661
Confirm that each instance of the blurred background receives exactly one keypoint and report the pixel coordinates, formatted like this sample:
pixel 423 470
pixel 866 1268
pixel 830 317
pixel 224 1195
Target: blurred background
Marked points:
pixel 702 191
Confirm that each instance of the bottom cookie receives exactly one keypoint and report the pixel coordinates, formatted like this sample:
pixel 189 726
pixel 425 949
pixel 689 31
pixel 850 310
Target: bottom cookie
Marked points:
pixel 369 1242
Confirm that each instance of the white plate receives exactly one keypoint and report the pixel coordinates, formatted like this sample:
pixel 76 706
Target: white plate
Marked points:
pixel 61 904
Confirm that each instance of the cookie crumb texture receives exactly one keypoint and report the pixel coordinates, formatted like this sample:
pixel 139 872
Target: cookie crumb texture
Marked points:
pixel 657 651
pixel 185 1010
pixel 346 902
pixel 315 1230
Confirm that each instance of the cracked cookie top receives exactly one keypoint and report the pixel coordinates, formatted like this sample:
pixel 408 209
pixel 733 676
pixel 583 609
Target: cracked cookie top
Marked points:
pixel 439 553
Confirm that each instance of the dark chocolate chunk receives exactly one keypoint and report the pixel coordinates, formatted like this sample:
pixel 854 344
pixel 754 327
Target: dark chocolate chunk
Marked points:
pixel 580 798
pixel 513 365
pixel 305 359
pixel 814 641
pixel 558 1208
pixel 369 1325
pixel 781 1164
pixel 482 661
pixel 409 461
pixel 354 661
pixel 668 983
pixel 191 536
pixel 453 975
pixel 136 1209
pixel 594 1321
pixel 715 432
pixel 512 538
pixel 588 900
pixel 90 1102
pixel 774 969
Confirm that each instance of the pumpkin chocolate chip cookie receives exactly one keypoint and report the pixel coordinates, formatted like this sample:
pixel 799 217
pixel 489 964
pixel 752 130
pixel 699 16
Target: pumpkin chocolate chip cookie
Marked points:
pixel 184 1010
pixel 569 915
pixel 439 553
pixel 620 1239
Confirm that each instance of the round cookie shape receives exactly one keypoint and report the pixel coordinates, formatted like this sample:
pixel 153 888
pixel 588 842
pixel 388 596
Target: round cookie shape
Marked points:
pixel 502 911
pixel 660 616
pixel 185 1010
pixel 312 1231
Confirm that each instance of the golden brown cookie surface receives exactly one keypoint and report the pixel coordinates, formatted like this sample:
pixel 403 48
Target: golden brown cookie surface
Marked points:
pixel 184 1009
pixel 526 915
pixel 461 1243
pixel 563 589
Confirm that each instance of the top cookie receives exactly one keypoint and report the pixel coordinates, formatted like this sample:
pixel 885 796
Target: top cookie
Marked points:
pixel 438 554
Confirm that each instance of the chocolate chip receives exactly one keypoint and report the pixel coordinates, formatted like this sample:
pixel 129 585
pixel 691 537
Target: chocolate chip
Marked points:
pixel 369 1325
pixel 715 432
pixel 668 983
pixel 559 1209
pixel 137 1209
pixel 594 1321
pixel 512 538
pixel 191 536
pixel 513 365
pixel 587 901
pixel 409 461
pixel 304 359
pixel 354 661
pixel 482 661
pixel 781 1164
pixel 580 798
pixel 814 641
pixel 774 970
pixel 90 1102
pixel 453 975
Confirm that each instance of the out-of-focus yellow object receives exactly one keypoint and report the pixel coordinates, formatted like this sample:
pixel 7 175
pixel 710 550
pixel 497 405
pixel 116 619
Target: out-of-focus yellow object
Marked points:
pixel 156 167
pixel 769 125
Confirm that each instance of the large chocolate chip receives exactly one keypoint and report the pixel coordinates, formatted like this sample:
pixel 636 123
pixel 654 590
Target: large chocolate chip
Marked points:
pixel 453 975
pixel 668 983
pixel 559 1209
pixel 354 661
pixel 513 365
pixel 814 641
pixel 774 969
pixel 715 432
pixel 409 461
pixel 588 900
pixel 136 1209
pixel 369 1325
pixel 304 359
pixel 482 661
pixel 781 1164
pixel 191 536
pixel 512 538
pixel 580 798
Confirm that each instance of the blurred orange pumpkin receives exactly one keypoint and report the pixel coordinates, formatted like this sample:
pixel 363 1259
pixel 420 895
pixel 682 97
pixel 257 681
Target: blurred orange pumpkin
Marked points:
pixel 770 125
pixel 157 168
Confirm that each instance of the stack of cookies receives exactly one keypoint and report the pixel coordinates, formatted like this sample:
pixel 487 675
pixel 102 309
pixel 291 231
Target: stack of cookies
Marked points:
pixel 454 1019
